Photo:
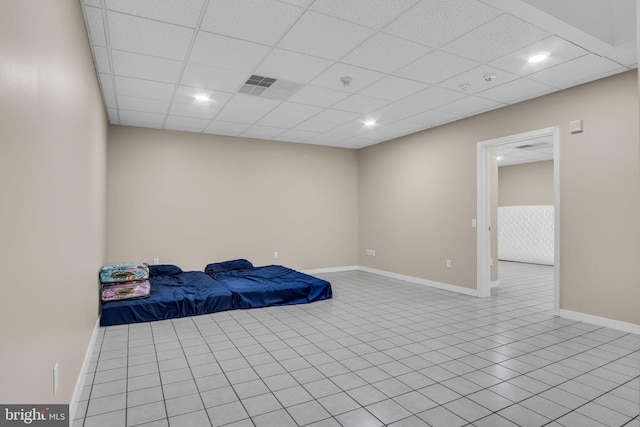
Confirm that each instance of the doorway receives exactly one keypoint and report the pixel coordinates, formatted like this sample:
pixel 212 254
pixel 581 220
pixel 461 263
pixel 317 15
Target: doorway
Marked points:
pixel 484 206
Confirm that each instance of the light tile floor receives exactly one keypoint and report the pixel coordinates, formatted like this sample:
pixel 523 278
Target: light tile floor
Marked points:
pixel 381 352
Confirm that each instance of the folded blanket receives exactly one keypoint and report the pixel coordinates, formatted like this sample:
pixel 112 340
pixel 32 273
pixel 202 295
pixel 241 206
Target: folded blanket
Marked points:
pixel 125 291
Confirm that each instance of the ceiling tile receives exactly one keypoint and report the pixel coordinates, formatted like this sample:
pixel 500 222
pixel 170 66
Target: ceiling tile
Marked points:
pixel 288 115
pixel 361 78
pixel 436 67
pixel 148 37
pixel 135 118
pixel 393 112
pixel 336 116
pixel 145 67
pixel 433 97
pixel 186 95
pixel 95 26
pixel 347 130
pixel 318 96
pixel 392 88
pixel 196 109
pixel 437 22
pixel 246 109
pixel 189 124
pixel 101 55
pixel 580 70
pixel 202 76
pixel 488 41
pixel 316 125
pixel 370 13
pixel 356 142
pixel 360 104
pixel 112 113
pixel 431 118
pixel 227 53
pixel 516 91
pixel 262 132
pixel 292 66
pixel 301 3
pixel 143 88
pixel 226 128
pixel 295 135
pixel 324 36
pixel 385 53
pixel 475 79
pixel 108 90
pixel 470 105
pixel 91 2
pixel 262 22
pixel 395 130
pixel 559 51
pixel 143 104
pixel 180 12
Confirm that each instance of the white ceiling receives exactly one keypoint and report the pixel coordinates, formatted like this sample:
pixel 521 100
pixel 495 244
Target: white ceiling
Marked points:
pixel 407 60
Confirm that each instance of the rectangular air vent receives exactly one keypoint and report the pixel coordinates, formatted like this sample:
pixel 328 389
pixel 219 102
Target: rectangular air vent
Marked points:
pixel 534 146
pixel 268 87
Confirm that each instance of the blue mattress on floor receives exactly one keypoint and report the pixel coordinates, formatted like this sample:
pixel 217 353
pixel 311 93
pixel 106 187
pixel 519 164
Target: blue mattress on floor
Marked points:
pixel 174 293
pixel 223 286
pixel 254 287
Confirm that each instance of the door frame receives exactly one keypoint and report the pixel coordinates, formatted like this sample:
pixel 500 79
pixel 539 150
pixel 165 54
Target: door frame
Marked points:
pixel 484 207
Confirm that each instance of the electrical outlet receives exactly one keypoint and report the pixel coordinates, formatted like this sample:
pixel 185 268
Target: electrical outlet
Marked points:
pixel 448 263
pixel 276 255
pixel 156 261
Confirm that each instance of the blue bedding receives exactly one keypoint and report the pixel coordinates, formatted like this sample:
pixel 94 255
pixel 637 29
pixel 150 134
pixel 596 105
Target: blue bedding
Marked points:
pixel 223 286
pixel 269 285
pixel 174 293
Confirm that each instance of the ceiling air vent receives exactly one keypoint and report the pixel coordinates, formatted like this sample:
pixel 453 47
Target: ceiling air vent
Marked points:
pixel 267 87
pixel 534 146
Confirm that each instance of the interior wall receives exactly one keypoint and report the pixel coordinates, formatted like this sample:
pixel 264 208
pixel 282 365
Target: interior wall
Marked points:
pixel 191 199
pixel 417 196
pixel 526 184
pixel 53 186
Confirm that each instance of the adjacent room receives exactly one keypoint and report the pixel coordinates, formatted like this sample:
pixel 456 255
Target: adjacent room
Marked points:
pixel 344 141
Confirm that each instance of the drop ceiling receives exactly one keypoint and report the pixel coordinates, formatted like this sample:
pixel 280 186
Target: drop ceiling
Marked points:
pixel 411 64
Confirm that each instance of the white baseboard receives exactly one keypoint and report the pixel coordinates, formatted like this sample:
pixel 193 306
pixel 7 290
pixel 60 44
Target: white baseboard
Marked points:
pixel 73 407
pixel 419 281
pixel 330 269
pixel 601 321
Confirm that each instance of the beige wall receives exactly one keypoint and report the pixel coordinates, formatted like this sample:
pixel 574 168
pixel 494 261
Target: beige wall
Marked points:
pixel 53 188
pixel 191 199
pixel 526 184
pixel 417 196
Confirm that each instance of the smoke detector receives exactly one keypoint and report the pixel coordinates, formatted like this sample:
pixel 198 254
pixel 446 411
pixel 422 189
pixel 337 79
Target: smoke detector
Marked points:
pixel 464 87
pixel 346 81
pixel 489 78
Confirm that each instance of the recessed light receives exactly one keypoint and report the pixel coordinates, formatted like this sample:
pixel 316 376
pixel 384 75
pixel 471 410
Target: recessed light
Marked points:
pixel 369 122
pixel 538 58
pixel 499 158
pixel 201 97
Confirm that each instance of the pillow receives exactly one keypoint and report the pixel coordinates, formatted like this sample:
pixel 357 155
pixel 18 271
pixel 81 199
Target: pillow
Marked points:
pixel 225 266
pixel 129 272
pixel 164 270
